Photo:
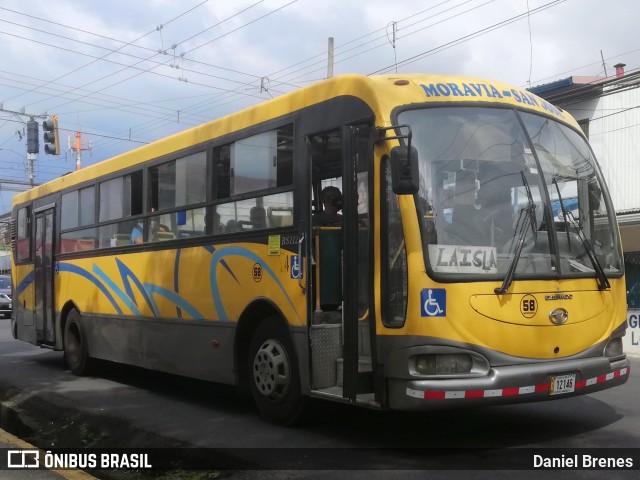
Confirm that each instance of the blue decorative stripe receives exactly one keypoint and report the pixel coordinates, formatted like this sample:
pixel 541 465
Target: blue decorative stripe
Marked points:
pixel 218 256
pixel 26 281
pixel 67 267
pixel 126 274
pixel 118 291
pixel 173 297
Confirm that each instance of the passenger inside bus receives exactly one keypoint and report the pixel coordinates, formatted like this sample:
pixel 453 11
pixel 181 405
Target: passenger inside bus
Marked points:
pixel 329 250
pixel 162 232
pixel 217 224
pixel 137 234
pixel 332 203
pixel 258 217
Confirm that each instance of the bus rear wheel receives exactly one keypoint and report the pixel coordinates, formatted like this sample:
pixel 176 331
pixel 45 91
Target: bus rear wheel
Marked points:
pixel 274 374
pixel 76 348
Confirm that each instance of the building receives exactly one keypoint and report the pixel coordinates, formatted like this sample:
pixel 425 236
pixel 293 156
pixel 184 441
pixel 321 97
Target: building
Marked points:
pixel 608 110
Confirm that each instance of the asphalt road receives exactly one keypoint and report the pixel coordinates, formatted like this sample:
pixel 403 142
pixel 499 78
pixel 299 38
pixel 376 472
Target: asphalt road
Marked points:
pixel 134 408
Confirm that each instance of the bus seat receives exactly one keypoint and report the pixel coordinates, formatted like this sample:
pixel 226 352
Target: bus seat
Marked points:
pixel 232 226
pixel 161 236
pixel 278 217
pixel 121 239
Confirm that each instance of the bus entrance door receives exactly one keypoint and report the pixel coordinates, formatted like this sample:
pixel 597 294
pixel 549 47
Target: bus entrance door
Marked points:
pixel 341 330
pixel 360 384
pixel 43 279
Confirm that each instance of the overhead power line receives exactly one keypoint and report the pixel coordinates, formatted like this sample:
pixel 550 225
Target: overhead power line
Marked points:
pixel 126 44
pixel 465 38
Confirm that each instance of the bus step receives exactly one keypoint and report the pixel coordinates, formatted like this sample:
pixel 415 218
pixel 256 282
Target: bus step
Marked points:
pixel 365 374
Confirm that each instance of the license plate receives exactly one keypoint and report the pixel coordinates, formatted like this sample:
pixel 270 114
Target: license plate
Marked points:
pixel 562 384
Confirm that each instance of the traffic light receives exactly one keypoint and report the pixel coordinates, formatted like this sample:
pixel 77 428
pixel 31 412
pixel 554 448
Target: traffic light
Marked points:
pixel 51 139
pixel 33 146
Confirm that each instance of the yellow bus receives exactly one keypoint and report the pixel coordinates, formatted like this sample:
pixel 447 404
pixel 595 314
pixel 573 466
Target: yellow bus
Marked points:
pixel 398 242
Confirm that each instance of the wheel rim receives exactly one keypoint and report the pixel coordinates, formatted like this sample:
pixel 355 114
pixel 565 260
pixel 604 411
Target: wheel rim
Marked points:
pixel 271 370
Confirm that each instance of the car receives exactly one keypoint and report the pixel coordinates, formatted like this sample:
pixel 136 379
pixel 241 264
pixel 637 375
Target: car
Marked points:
pixel 5 296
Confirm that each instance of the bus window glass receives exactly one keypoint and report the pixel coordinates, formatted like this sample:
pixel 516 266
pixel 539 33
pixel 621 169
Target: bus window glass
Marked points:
pixel 270 211
pixel 576 192
pixel 120 234
pixel 483 188
pixel 222 171
pixel 87 206
pixel 179 182
pixel 23 236
pixel 162 181
pixel 395 286
pixel 253 163
pixel 69 213
pixel 78 208
pixel 111 199
pixel 121 197
pixel 132 194
pixel 262 161
pixel 181 224
pixel 78 240
pixel 477 188
pixel 191 179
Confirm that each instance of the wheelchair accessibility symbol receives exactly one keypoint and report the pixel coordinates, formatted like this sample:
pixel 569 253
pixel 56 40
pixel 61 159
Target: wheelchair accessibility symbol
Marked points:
pixel 433 302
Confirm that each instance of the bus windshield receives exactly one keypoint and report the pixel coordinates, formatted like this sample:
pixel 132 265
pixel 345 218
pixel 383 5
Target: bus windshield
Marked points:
pixel 491 179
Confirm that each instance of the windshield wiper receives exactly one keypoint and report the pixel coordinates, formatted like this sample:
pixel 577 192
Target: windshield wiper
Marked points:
pixel 527 214
pixel 601 277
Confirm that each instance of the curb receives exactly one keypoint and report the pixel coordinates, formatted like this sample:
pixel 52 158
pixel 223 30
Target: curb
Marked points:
pixel 12 441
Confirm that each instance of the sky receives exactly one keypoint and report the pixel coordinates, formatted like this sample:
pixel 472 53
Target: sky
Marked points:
pixel 126 73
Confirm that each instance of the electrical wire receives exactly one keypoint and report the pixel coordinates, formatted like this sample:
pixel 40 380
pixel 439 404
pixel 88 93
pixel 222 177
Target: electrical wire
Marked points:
pixel 126 44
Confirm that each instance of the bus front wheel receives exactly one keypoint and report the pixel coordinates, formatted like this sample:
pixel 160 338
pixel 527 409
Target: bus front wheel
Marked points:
pixel 76 350
pixel 274 373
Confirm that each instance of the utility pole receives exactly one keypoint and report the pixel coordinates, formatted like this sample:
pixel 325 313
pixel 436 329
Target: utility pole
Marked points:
pixel 77 148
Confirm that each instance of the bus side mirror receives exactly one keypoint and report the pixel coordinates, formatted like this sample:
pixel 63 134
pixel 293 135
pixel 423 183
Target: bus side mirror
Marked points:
pixel 405 174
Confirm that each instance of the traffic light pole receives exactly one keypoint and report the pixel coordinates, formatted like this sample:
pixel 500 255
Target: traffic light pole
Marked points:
pixel 32 141
pixel 31 162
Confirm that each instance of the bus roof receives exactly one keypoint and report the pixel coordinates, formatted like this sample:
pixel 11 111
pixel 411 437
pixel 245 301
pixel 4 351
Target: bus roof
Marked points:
pixel 382 93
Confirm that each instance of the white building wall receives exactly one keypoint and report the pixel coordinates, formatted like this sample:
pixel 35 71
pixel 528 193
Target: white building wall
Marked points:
pixel 614 134
pixel 631 341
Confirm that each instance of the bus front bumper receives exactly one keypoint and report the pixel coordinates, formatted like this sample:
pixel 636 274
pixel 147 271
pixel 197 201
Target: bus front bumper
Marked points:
pixel 510 384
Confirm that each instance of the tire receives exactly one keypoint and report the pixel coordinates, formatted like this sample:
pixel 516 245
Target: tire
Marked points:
pixel 76 348
pixel 274 376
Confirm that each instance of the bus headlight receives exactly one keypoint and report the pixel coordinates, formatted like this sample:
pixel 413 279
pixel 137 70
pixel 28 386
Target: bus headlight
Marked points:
pixel 443 364
pixel 613 348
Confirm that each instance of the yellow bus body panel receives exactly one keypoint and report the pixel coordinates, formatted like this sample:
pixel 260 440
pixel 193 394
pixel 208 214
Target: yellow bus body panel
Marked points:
pixel 496 322
pixel 215 283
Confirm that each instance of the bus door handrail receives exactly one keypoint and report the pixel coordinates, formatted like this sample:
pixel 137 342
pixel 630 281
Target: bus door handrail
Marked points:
pixel 302 274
